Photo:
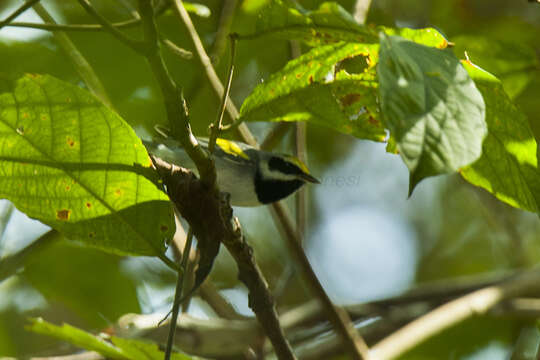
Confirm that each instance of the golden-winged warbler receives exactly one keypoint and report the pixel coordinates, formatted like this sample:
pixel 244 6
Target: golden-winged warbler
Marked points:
pixel 252 177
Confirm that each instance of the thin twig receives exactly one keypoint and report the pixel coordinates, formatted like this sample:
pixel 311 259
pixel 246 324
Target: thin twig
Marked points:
pixel 451 313
pixel 213 221
pixel 210 72
pixel 72 27
pixel 178 294
pixel 175 105
pixel 176 50
pixel 28 4
pixel 216 127
pixel 107 25
pixel 260 299
pixel 339 319
pixel 160 9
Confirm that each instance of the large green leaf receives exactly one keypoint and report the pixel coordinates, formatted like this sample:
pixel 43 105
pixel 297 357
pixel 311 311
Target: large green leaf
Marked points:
pixel 129 349
pixel 508 166
pixel 431 107
pixel 328 24
pixel 318 87
pixel 70 162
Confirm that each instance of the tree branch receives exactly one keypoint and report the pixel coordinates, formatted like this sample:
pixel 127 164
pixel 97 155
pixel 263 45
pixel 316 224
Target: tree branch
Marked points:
pixel 178 294
pixel 176 50
pixel 210 216
pixel 210 72
pixel 175 105
pixel 338 317
pixel 108 26
pixel 216 126
pixel 28 4
pixel 160 9
pixel 452 313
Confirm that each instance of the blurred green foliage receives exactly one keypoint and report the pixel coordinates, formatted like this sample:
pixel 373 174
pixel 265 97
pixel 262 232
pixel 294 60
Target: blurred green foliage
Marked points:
pixel 469 233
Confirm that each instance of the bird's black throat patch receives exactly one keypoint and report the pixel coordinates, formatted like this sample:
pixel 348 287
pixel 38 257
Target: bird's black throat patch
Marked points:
pixel 269 191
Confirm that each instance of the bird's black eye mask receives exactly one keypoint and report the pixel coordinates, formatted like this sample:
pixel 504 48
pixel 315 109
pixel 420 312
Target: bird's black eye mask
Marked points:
pixel 278 164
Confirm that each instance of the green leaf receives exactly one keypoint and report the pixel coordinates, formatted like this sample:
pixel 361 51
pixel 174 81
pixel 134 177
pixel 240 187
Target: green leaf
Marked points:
pixel 120 348
pixel 330 23
pixel 431 107
pixel 317 87
pixel 76 337
pixel 426 36
pixel 511 61
pixel 138 349
pixel 508 167
pixel 70 162
pixel 198 9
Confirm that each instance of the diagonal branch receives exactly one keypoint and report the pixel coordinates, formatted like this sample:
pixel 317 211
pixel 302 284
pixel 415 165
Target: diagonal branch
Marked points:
pixel 210 72
pixel 211 219
pixel 160 9
pixel 28 4
pixel 452 313
pixel 134 44
pixel 338 317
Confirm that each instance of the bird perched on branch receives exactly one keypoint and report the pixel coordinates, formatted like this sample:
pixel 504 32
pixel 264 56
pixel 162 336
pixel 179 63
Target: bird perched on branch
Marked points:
pixel 252 177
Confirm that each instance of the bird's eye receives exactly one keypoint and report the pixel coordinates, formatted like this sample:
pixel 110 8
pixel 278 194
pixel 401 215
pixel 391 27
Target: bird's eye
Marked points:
pixel 278 164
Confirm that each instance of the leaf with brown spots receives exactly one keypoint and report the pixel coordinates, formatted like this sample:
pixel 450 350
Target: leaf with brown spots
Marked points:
pixel 70 162
pixel 63 215
pixel 321 93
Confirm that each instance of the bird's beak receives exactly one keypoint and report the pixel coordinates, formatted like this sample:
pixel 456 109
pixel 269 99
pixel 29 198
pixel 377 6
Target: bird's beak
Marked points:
pixel 309 178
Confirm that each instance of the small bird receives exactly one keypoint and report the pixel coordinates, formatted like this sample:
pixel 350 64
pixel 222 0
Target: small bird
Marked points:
pixel 252 177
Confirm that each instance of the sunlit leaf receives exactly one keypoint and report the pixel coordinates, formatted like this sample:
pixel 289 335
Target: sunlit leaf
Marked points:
pixel 508 166
pixel 120 348
pixel 70 162
pixel 512 62
pixel 431 107
pixel 327 24
pixel 426 36
pixel 317 87
pixel 198 9
pixel 76 337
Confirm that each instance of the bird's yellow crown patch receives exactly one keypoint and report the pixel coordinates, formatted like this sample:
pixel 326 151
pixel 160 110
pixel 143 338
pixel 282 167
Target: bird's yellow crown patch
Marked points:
pixel 298 163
